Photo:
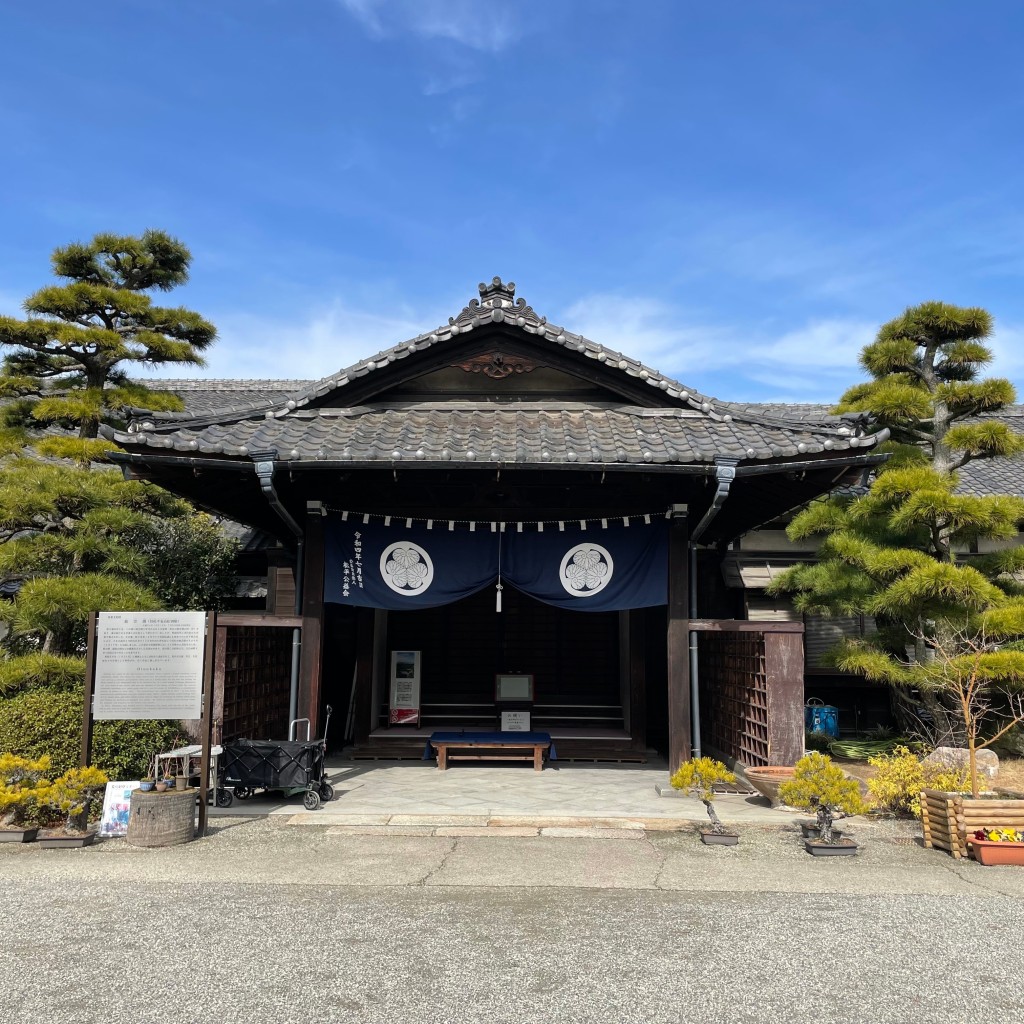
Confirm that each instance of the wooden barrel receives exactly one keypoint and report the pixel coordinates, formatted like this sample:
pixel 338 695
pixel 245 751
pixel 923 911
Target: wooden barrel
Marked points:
pixel 162 819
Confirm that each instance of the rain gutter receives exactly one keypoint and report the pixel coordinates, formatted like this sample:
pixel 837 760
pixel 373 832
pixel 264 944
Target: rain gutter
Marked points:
pixel 265 465
pixel 725 474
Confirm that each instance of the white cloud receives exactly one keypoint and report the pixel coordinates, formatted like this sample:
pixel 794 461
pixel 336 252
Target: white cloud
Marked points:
pixel 814 362
pixel 672 340
pixel 322 342
pixel 488 28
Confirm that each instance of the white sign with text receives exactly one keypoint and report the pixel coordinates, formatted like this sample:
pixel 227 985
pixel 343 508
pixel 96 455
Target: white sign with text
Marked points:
pixel 149 665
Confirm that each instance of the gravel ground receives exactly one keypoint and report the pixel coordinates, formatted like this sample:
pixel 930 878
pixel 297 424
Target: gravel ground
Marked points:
pixel 270 923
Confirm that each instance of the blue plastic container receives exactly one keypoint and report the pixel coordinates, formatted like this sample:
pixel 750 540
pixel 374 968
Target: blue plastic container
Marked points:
pixel 822 718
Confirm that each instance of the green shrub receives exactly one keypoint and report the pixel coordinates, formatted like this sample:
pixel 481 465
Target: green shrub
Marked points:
pixel 124 750
pixel 42 721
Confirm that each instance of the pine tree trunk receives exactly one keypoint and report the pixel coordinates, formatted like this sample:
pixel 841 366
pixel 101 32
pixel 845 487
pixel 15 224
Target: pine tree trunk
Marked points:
pixel 716 824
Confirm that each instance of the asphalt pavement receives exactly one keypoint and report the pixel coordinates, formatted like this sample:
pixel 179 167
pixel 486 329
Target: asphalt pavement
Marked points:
pixel 269 922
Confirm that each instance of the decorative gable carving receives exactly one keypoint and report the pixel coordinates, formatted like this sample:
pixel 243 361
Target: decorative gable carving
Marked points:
pixel 497 366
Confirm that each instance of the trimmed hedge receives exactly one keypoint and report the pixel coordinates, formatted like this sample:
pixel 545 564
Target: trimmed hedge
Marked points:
pixel 42 721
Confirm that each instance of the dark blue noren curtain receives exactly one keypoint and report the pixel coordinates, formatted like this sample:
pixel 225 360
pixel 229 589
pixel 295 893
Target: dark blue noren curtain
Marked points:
pixel 592 570
pixel 400 567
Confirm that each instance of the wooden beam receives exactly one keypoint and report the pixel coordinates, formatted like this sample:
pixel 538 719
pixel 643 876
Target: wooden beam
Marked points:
pixel 311 659
pixel 680 740
pixel 259 619
pixel 742 626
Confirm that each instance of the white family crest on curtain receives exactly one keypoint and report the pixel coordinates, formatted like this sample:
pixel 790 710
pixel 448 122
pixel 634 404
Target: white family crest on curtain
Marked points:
pixel 406 568
pixel 586 570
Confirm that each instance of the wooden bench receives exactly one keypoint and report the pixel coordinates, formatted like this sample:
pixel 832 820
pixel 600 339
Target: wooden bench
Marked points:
pixel 496 746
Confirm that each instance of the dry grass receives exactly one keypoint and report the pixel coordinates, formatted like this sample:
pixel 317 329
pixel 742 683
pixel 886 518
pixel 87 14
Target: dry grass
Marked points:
pixel 1011 776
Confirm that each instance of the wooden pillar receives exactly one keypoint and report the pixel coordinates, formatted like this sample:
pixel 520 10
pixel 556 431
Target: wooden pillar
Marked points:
pixel 219 672
pixel 365 703
pixel 206 724
pixel 636 632
pixel 784 676
pixel 679 737
pixel 90 688
pixel 311 659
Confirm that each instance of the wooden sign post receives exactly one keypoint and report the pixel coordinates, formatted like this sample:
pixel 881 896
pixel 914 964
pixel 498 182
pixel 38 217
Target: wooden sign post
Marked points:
pixel 151 665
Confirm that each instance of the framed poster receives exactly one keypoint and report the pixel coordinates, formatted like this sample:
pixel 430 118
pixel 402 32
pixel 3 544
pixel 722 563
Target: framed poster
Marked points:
pixel 117 802
pixel 405 688
pixel 513 686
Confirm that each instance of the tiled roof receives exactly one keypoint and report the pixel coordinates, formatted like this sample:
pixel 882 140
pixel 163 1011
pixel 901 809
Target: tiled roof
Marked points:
pixel 686 427
pixel 980 477
pixel 202 397
pixel 471 432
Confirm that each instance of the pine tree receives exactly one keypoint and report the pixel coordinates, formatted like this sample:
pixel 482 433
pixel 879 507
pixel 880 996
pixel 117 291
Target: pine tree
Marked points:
pixel 897 553
pixel 76 541
pixel 67 364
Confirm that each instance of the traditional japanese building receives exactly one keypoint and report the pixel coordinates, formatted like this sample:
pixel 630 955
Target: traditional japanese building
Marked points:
pixel 504 496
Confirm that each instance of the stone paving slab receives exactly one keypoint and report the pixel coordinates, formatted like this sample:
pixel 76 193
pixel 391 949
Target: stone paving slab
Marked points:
pixel 417 792
pixel 380 830
pixel 438 819
pixel 601 832
pixel 487 831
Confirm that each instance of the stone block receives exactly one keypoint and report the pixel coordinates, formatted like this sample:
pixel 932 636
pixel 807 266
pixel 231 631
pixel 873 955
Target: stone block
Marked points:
pixel 987 760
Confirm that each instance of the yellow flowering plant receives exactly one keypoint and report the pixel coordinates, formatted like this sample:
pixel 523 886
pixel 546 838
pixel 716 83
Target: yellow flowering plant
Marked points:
pixel 1000 835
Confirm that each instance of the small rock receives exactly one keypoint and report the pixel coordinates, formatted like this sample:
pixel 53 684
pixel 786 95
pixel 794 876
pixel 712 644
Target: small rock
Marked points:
pixel 988 762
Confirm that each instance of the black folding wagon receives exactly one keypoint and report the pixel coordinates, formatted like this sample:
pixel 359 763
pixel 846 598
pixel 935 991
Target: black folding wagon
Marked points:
pixel 286 766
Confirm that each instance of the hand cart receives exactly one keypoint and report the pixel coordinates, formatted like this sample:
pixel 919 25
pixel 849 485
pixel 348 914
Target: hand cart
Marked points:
pixel 286 766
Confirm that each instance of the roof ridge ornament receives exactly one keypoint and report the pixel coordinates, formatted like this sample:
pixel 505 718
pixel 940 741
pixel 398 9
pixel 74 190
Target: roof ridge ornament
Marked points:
pixel 497 297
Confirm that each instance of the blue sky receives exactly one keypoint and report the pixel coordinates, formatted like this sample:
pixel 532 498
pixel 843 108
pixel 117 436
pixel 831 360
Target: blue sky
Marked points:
pixel 737 193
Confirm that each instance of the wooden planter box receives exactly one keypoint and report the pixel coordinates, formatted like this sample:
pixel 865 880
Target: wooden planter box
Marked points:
pixel 949 818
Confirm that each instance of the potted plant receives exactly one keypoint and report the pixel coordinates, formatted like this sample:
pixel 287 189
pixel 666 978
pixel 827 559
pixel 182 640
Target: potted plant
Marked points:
pixel 819 785
pixel 698 778
pixel 147 783
pixel 998 846
pixel 71 796
pixel 23 786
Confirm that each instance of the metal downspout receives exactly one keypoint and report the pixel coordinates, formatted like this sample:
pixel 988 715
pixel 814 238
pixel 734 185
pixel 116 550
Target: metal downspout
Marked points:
pixel 725 473
pixel 265 472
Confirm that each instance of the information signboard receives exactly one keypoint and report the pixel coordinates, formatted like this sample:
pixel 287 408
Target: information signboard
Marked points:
pixel 149 665
pixel 405 688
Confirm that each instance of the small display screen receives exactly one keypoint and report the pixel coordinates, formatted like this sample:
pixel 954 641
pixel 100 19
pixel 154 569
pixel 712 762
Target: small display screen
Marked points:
pixel 514 687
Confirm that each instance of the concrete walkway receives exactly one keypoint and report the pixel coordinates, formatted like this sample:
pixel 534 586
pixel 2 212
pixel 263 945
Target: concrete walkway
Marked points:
pixel 415 799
